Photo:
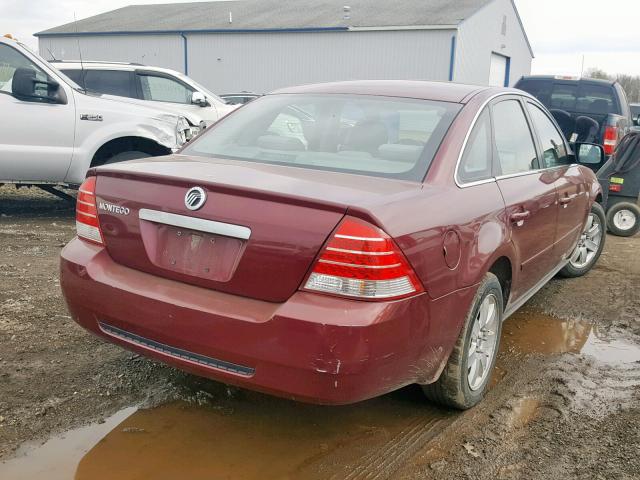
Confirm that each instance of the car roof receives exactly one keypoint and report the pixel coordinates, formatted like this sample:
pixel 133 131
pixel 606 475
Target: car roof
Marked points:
pixel 442 91
pixel 93 64
pixel 563 79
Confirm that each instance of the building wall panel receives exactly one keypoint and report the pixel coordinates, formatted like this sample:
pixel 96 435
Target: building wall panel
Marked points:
pixel 262 62
pixel 493 29
pixel 158 50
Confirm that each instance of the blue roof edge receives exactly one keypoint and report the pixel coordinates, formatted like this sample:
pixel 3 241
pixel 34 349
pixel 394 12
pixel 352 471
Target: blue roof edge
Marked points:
pixel 182 31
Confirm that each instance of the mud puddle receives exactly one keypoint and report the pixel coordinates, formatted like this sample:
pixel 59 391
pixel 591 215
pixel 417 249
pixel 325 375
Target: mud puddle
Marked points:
pixel 253 436
pixel 533 332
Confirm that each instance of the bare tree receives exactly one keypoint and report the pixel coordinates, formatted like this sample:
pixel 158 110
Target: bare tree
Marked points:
pixel 630 83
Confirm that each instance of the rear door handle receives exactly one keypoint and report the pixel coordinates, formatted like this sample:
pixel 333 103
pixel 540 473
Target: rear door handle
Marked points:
pixel 566 200
pixel 519 217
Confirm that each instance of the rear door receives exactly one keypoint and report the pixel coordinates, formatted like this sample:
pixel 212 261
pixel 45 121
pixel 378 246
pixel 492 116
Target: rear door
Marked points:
pixel 529 193
pixel 573 198
pixel 110 82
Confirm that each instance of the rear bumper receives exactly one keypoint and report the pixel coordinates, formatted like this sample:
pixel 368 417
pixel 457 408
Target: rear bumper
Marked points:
pixel 313 348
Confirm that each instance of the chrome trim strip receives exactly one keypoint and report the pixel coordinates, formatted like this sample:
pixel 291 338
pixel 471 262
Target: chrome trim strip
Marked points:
pixel 192 223
pixel 364 239
pixel 359 252
pixel 354 265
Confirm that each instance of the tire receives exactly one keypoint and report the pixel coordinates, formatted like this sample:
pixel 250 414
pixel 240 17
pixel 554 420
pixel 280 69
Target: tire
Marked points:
pixel 124 156
pixel 623 219
pixel 454 387
pixel 594 231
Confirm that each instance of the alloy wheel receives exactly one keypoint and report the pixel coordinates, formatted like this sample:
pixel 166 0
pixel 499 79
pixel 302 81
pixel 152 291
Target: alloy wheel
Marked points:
pixel 589 243
pixel 624 220
pixel 483 342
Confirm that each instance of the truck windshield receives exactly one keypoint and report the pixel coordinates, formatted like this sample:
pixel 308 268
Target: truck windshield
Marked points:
pixel 380 136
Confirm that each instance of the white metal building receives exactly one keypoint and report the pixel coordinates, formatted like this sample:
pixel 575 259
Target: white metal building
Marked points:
pixel 261 45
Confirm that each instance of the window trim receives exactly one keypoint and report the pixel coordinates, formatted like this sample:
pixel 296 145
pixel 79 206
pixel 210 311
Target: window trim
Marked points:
pixel 538 140
pixel 522 97
pixel 492 147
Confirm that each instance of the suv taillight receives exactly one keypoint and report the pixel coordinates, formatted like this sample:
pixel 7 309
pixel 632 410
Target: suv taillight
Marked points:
pixel 610 140
pixel 87 225
pixel 362 261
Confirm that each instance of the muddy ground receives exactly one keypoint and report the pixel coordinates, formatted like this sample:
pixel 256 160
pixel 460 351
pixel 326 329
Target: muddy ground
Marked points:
pixel 565 404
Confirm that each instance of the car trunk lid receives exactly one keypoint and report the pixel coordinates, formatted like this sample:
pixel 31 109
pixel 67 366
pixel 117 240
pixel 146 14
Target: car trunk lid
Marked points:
pixel 256 234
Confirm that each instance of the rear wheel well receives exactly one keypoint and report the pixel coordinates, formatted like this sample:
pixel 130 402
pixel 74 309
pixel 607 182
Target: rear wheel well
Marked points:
pixel 127 144
pixel 501 268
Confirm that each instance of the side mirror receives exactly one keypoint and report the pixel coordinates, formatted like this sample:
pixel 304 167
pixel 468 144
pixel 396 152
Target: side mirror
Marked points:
pixel 26 86
pixel 590 155
pixel 198 98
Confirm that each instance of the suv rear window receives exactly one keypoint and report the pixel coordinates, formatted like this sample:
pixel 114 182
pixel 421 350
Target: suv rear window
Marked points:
pixel 380 136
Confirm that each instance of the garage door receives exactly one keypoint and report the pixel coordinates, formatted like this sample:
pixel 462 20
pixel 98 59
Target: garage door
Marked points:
pixel 498 70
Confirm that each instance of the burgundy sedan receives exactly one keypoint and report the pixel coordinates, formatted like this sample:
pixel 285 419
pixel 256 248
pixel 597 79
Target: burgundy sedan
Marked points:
pixel 330 243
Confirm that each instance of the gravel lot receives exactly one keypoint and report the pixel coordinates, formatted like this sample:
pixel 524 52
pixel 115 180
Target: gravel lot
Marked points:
pixel 554 412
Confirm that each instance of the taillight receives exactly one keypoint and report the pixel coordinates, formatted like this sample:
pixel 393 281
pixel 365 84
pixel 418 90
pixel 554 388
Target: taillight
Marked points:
pixel 610 140
pixel 87 225
pixel 362 261
pixel 615 187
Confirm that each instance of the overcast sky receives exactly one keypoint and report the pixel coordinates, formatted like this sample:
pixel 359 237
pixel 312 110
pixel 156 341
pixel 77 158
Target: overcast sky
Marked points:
pixel 606 32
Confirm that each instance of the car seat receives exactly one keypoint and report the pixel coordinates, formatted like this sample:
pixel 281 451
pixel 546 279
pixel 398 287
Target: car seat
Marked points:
pixel 565 121
pixel 587 129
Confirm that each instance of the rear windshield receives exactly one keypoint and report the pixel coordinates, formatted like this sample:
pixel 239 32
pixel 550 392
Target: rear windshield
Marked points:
pixel 577 97
pixel 380 136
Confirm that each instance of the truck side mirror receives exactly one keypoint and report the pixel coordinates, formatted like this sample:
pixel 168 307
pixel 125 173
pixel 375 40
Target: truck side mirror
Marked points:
pixel 26 86
pixel 590 155
pixel 198 98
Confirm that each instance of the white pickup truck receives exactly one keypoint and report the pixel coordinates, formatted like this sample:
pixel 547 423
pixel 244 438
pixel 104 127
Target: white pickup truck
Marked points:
pixel 52 131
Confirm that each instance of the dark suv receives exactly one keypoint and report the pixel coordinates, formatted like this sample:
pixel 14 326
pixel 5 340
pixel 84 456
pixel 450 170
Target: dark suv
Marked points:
pixel 587 110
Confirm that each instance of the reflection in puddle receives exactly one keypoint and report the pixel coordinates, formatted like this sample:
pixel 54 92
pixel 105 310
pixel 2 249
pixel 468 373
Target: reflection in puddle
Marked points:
pixel 255 436
pixel 533 332
pixel 524 411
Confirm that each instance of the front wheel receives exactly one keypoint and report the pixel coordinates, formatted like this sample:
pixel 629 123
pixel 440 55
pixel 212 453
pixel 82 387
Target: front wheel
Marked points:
pixel 589 246
pixel 466 375
pixel 623 219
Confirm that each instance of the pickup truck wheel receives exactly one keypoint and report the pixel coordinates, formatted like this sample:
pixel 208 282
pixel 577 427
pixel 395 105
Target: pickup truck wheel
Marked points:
pixel 590 244
pixel 124 156
pixel 623 219
pixel 466 375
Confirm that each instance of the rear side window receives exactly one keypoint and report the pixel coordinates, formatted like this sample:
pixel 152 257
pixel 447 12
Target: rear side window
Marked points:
pixel 162 89
pixel 514 144
pixel 365 134
pixel 554 152
pixel 477 157
pixel 110 82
